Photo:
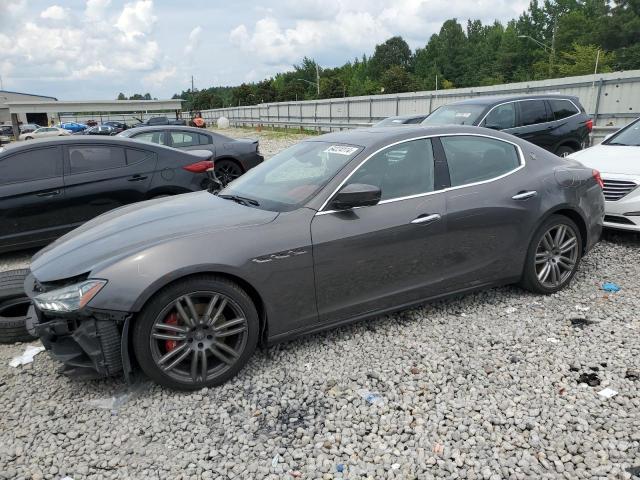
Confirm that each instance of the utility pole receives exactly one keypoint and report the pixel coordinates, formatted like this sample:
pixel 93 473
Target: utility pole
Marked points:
pixel 192 84
pixel 1 87
pixel 552 54
pixel 318 79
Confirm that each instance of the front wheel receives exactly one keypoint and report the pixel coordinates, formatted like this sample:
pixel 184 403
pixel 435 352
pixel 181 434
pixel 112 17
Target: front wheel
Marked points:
pixel 198 332
pixel 553 256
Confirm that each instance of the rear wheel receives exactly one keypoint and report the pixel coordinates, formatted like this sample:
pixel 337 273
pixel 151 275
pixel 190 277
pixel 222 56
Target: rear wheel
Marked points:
pixel 564 151
pixel 227 171
pixel 198 332
pixel 553 256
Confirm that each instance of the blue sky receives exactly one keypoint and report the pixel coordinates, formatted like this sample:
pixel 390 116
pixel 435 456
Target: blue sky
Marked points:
pixel 93 49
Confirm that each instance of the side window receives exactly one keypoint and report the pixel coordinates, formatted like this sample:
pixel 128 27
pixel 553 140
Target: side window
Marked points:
pixel 562 109
pixel 184 139
pixel 33 164
pixel 136 156
pixel 89 159
pixel 502 117
pixel 401 170
pixel 474 159
pixel 204 139
pixel 152 137
pixel 532 112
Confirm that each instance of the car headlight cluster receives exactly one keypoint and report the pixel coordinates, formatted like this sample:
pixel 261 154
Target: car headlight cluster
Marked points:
pixel 71 298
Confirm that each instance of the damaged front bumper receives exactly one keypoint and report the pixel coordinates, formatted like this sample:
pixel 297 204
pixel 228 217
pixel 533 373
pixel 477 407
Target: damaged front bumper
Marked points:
pixel 88 343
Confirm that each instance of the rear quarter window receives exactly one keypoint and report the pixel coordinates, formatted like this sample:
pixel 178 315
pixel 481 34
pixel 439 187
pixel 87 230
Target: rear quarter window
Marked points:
pixel 562 109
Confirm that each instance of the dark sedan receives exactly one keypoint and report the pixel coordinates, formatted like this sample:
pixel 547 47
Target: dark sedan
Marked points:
pixel 48 187
pixel 105 130
pixel 233 157
pixel 337 228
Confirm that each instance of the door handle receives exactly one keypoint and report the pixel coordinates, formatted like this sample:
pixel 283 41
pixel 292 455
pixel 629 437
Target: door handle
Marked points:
pixel 525 195
pixel 50 193
pixel 136 178
pixel 426 219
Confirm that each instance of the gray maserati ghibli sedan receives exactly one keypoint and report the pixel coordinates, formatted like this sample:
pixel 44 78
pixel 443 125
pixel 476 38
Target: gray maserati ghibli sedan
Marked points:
pixel 337 228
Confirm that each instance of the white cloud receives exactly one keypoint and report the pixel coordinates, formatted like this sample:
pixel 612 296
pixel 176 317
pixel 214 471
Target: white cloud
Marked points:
pixel 54 12
pixel 137 19
pixel 96 9
pixel 353 25
pixel 158 78
pixel 100 45
pixel 194 40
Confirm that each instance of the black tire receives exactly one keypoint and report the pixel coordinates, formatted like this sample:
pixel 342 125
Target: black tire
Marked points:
pixel 564 150
pixel 28 138
pixel 530 280
pixel 150 352
pixel 227 170
pixel 12 321
pixel 12 283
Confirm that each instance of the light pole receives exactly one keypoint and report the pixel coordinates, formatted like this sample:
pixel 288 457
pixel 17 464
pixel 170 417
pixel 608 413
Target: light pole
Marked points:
pixel 317 85
pixel 551 49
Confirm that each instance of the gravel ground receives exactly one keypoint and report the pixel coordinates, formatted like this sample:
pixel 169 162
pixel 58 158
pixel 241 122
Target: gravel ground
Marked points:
pixel 485 386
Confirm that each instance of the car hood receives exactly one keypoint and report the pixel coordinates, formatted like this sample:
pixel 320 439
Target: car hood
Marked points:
pixel 126 230
pixel 610 159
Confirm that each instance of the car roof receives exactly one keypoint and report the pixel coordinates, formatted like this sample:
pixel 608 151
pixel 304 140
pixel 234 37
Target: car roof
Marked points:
pixel 376 137
pixel 167 127
pixel 81 139
pixel 496 99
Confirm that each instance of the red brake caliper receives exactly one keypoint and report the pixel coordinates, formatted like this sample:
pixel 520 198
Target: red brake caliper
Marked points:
pixel 172 319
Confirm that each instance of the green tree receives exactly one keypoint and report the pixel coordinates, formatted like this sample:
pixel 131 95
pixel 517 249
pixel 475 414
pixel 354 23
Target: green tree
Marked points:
pixel 393 52
pixel 121 96
pixel 396 80
pixel 581 60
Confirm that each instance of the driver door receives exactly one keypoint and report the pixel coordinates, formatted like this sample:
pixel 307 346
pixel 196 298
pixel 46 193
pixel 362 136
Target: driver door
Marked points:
pixel 372 258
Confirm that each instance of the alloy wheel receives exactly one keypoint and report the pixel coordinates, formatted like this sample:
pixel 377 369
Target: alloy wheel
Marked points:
pixel 198 336
pixel 227 172
pixel 556 255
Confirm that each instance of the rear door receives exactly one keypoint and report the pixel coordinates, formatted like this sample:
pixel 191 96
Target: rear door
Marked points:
pixel 101 177
pixel 31 194
pixel 491 207
pixel 535 123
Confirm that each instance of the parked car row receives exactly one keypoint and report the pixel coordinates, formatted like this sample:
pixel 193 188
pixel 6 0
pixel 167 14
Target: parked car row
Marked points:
pixel 350 225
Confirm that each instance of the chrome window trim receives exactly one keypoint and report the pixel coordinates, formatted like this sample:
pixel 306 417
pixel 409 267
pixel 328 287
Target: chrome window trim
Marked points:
pixel 521 157
pixel 531 100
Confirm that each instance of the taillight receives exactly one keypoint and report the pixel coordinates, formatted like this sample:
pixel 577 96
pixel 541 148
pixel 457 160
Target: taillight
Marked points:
pixel 596 175
pixel 589 125
pixel 199 167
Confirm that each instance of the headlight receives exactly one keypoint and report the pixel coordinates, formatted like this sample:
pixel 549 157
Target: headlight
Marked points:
pixel 71 298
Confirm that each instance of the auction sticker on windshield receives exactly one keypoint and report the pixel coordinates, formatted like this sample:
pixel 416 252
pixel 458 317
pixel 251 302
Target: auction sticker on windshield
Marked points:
pixel 341 149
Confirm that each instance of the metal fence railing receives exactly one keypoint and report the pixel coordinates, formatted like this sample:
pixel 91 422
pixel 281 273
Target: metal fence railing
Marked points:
pixel 612 99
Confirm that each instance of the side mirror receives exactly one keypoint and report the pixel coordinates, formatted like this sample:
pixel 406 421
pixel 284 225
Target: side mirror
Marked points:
pixel 356 195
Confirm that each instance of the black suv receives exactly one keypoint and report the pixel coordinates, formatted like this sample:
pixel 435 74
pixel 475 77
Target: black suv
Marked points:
pixel 557 123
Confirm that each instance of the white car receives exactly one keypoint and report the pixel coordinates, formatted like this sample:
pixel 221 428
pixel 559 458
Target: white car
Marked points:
pixel 44 132
pixel 618 160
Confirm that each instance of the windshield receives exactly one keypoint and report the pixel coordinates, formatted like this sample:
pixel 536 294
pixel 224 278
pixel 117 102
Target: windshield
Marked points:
pixel 290 178
pixel 455 115
pixel 629 136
